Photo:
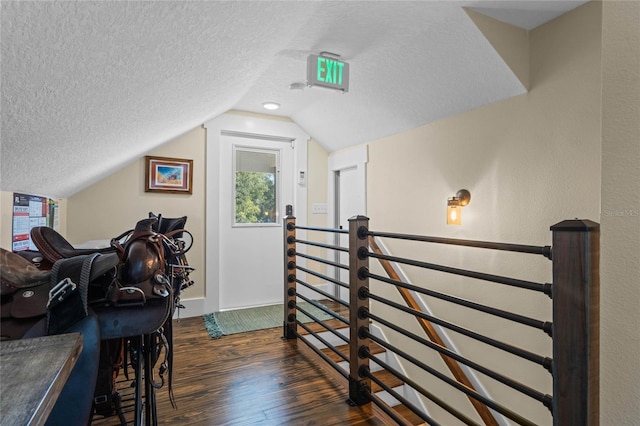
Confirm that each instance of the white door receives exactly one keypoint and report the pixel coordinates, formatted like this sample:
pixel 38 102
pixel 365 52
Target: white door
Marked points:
pixel 347 187
pixel 251 236
pixel 347 207
pixel 244 265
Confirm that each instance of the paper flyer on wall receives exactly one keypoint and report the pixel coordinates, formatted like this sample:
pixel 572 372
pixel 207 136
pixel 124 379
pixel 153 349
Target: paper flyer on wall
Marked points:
pixel 30 211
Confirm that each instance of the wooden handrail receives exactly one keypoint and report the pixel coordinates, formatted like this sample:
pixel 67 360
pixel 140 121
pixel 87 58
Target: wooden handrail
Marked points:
pixel 482 410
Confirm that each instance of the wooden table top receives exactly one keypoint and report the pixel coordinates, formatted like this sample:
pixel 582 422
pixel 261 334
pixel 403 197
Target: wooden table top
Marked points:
pixel 32 374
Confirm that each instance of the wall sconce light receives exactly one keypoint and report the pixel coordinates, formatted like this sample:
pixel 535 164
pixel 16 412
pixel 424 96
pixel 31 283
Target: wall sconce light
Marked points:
pixel 454 206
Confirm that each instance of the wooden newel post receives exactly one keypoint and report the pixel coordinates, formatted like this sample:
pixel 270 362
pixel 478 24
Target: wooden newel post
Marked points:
pixel 576 322
pixel 290 325
pixel 358 302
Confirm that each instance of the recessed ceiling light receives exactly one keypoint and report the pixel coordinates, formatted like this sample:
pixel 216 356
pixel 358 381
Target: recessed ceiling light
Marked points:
pixel 271 105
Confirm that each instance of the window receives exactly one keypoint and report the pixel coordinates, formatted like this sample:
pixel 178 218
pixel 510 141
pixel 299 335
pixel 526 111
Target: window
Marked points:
pixel 255 186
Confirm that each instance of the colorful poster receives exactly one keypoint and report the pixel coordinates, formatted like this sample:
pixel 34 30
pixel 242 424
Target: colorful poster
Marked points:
pixel 30 211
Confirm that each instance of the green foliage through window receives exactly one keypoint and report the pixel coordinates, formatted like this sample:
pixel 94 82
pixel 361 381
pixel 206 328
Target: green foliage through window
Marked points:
pixel 255 185
pixel 255 197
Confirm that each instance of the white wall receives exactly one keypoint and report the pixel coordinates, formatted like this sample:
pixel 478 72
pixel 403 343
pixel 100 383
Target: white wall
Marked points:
pixel 317 193
pixel 529 162
pixel 620 249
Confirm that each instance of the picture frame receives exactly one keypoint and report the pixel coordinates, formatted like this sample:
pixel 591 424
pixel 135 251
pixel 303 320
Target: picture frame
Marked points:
pixel 168 175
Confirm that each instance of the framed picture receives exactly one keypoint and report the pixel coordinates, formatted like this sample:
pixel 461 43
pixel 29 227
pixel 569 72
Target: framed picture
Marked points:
pixel 164 174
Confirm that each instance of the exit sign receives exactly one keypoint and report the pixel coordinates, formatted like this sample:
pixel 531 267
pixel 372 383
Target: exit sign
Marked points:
pixel 327 72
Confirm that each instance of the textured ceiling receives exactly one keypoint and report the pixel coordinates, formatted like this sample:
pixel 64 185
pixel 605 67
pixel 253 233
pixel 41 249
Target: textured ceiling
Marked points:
pixel 88 87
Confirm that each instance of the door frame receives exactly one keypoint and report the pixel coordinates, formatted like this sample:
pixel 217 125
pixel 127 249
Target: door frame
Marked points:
pixel 356 157
pixel 257 127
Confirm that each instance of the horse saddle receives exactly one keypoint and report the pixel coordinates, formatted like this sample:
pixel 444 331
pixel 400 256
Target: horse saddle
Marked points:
pixel 26 292
pixel 53 246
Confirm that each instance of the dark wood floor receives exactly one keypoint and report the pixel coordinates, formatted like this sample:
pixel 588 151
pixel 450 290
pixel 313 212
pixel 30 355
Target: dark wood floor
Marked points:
pixel 252 378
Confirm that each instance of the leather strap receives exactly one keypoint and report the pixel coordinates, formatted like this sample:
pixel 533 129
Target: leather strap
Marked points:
pixel 67 312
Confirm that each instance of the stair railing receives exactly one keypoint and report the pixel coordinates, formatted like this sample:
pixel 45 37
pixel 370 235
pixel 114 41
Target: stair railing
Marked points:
pixel 431 332
pixel 575 326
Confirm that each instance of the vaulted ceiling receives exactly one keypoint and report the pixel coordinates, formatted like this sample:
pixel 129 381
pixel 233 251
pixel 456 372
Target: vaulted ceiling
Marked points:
pixel 88 87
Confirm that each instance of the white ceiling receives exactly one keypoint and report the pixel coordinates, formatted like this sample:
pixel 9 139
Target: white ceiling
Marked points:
pixel 88 87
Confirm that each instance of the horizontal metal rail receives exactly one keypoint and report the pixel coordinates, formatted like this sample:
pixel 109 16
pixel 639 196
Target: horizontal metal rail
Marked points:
pixel 323 293
pixel 520 319
pixel 322 276
pixel 325 325
pixel 316 244
pixel 462 388
pixel 321 260
pixel 528 285
pixel 522 353
pixel 518 248
pixel 323 340
pixel 399 397
pixel 415 386
pixel 526 390
pixel 388 410
pixel 313 228
pixel 320 353
pixel 575 276
pixel 322 308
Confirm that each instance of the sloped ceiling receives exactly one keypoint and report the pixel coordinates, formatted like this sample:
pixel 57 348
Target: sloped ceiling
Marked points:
pixel 88 87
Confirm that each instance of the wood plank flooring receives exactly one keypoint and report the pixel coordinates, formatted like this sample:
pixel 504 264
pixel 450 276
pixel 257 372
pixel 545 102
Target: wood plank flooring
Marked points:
pixel 253 378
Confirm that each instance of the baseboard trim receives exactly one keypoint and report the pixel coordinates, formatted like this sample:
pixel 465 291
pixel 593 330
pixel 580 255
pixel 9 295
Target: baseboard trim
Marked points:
pixel 192 308
pixel 195 307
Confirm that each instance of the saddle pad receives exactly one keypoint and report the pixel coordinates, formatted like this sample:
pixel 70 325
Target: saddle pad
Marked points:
pixel 5 308
pixel 17 272
pixel 30 302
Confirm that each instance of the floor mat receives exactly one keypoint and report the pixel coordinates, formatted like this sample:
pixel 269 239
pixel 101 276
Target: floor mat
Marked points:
pixel 223 323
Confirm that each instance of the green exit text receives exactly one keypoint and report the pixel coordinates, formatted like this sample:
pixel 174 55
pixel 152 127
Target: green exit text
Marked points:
pixel 330 71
